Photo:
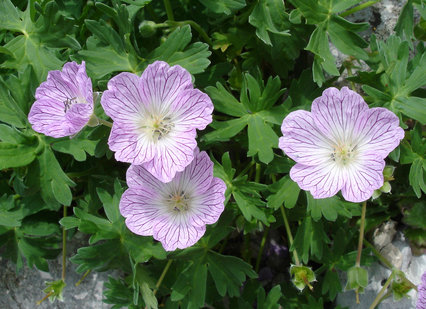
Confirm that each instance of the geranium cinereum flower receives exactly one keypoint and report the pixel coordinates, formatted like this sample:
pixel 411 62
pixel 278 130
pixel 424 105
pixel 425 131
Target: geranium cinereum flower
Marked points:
pixel 421 293
pixel 64 102
pixel 340 145
pixel 155 118
pixel 174 213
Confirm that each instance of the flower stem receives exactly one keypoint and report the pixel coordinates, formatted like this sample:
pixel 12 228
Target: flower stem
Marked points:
pixel 82 278
pixel 169 10
pixel 290 237
pixel 105 123
pixel 163 274
pixel 44 298
pixel 64 246
pixel 262 246
pixel 382 291
pixel 361 234
pixel 257 176
pixel 378 255
pixel 358 8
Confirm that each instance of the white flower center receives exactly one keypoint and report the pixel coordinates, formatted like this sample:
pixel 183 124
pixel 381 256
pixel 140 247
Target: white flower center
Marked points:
pixel 178 202
pixel 343 154
pixel 157 126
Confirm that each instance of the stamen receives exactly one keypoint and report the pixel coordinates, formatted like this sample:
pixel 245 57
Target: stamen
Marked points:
pixel 68 103
pixel 178 202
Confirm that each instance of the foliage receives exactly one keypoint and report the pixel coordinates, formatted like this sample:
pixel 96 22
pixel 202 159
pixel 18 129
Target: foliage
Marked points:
pixel 258 60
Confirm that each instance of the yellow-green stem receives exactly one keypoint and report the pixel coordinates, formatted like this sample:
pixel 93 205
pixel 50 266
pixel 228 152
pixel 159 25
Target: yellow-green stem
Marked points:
pixel 262 247
pixel 163 274
pixel 64 246
pixel 105 123
pixel 290 237
pixel 82 278
pixel 361 234
pixel 378 255
pixel 44 298
pixel 358 8
pixel 169 10
pixel 382 291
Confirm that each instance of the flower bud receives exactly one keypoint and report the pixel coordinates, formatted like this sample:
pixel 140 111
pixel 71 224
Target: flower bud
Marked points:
pixel 357 279
pixel 302 276
pixel 147 28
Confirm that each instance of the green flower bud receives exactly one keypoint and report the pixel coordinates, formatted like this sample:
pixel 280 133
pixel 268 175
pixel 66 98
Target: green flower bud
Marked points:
pixel 400 286
pixel 147 28
pixel 302 276
pixel 53 290
pixel 357 279
pixel 376 194
pixel 386 188
pixel 388 172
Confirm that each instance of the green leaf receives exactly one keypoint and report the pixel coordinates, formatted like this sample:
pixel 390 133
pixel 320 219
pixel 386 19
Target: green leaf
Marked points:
pixel 261 139
pixel 106 34
pixel 148 296
pixel 331 284
pixel 272 299
pixel 76 147
pixel 413 107
pixel 286 191
pixel 345 40
pixel 318 44
pixel 96 54
pixel 225 130
pixel 46 173
pixel 111 203
pixel 248 206
pixel 11 112
pixel 404 26
pixel 416 216
pixel 228 273
pixel 417 176
pixel 95 257
pixel 327 207
pixel 175 50
pixel 314 11
pixel 269 16
pixel 226 7
pixel 21 149
pixel 225 102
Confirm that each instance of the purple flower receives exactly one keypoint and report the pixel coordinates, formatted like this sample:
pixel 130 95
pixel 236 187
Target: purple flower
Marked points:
pixel 155 117
pixel 421 293
pixel 175 213
pixel 340 145
pixel 64 102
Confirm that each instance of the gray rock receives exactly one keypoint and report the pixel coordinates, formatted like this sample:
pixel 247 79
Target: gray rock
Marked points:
pixel 24 289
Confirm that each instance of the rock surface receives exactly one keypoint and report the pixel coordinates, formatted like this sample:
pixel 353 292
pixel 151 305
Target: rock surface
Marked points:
pixel 24 289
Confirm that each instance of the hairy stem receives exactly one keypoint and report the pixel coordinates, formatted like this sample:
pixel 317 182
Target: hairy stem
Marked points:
pixel 290 237
pixel 361 234
pixel 169 10
pixel 64 246
pixel 262 247
pixel 105 123
pixel 84 276
pixel 382 291
pixel 163 274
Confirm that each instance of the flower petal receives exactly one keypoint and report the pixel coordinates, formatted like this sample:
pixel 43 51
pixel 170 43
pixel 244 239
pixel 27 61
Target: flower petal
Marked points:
pixel 302 141
pixel 129 146
pixel 198 175
pixel 175 232
pixel 139 208
pixel 161 84
pixel 363 178
pixel 323 180
pixel 173 154
pixel 379 132
pixel 336 112
pixel 192 109
pixel 139 178
pixel 123 100
pixel 209 206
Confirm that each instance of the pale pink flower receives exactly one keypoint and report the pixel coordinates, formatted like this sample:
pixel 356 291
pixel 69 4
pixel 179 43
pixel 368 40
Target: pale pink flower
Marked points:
pixel 174 213
pixel 155 118
pixel 64 102
pixel 340 145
